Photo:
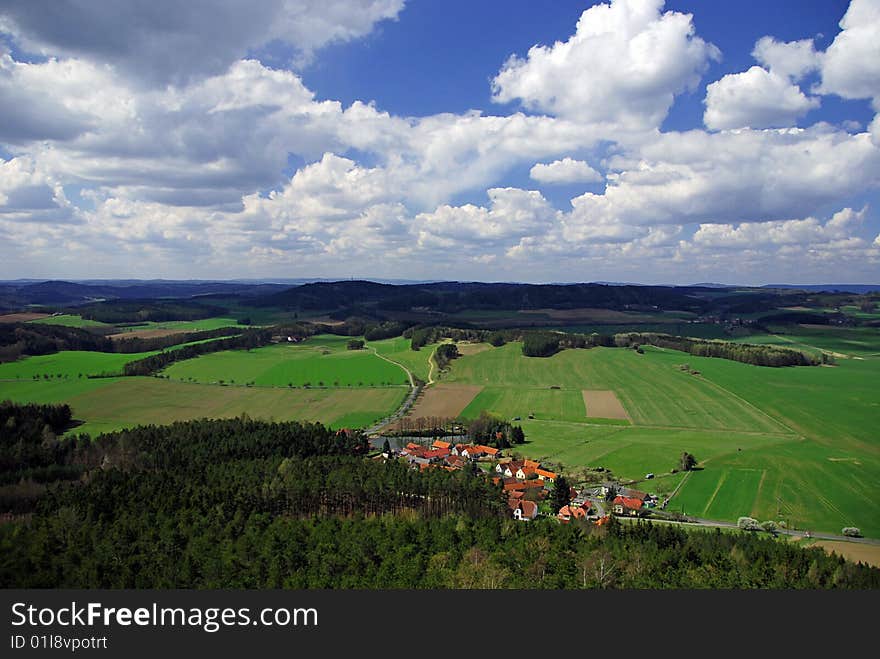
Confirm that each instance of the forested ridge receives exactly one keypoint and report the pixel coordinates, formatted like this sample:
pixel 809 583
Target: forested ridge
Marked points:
pixel 239 503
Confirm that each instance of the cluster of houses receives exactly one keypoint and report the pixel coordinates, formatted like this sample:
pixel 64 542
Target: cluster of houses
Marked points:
pixel 446 455
pixel 526 482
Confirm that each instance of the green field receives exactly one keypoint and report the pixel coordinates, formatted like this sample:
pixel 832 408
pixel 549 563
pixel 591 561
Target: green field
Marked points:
pixel 322 361
pixel 68 364
pixel 69 320
pixel 651 387
pixel 797 444
pixel 115 403
pixel 399 350
pixel 509 402
pixel 180 325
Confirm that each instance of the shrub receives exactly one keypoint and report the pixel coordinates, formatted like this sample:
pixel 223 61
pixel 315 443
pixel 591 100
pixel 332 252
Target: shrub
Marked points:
pixel 748 524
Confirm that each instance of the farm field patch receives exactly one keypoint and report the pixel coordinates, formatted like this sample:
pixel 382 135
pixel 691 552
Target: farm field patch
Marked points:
pixel 23 317
pixel 444 400
pixel 508 402
pixel 319 362
pixel 70 320
pixel 651 387
pixel 603 404
pixel 851 551
pixel 116 403
pixel 68 364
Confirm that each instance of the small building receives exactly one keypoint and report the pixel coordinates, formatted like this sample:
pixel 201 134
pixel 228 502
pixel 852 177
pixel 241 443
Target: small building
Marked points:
pixel 568 513
pixel 545 475
pixel 523 510
pixel 626 506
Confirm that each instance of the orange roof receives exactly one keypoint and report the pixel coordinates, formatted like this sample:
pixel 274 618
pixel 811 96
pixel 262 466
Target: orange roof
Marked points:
pixel 514 486
pixel 487 449
pixel 440 444
pixel 528 471
pixel 529 508
pixel 531 463
pixel 545 473
pixel 413 445
pixel 533 483
pixel 633 503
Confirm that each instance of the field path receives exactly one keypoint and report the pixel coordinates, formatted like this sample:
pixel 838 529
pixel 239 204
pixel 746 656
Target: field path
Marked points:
pixel 431 368
pixel 405 405
pixel 412 382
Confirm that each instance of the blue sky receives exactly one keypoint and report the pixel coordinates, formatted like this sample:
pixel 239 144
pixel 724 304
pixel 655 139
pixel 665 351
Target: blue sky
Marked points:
pixel 559 141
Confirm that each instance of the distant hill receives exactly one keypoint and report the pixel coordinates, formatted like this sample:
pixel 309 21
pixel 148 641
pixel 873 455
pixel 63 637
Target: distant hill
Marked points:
pixel 829 288
pixel 20 294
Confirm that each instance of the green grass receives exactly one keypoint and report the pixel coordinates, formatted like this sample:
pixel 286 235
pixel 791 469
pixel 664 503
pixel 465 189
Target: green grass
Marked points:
pixel 181 325
pixel 399 350
pixel 651 387
pixel 68 364
pixel 850 341
pixel 115 403
pixel 509 402
pixel 320 361
pixel 69 320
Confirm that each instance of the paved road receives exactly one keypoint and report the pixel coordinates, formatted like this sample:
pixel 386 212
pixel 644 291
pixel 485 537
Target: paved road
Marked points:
pixel 697 521
pixel 404 406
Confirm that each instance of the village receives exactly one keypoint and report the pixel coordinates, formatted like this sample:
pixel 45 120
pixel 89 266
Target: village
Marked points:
pixel 527 485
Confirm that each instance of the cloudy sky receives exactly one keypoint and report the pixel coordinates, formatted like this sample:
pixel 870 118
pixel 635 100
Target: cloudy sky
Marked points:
pixel 635 140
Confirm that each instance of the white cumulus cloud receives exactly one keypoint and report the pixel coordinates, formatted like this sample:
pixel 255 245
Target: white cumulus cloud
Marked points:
pixel 566 170
pixel 756 98
pixel 623 66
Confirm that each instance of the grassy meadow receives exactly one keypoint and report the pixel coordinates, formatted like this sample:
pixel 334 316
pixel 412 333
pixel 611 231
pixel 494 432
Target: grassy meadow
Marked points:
pixel 322 361
pixel 115 403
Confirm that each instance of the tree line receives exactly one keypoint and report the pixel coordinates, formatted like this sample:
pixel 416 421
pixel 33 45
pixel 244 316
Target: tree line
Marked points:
pixel 247 340
pixel 29 339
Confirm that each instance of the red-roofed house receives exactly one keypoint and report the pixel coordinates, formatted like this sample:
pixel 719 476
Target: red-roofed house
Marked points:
pixel 526 472
pixel 626 505
pixel 511 468
pixel 567 513
pixel 487 450
pixel 523 510
pixel 441 444
pixel 545 475
pixel 437 454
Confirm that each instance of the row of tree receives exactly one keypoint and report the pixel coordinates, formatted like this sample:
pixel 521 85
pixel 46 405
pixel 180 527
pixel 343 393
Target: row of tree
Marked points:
pixel 247 340
pixel 27 339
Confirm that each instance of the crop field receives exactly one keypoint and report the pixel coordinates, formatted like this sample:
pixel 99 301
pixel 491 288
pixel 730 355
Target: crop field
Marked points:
pixel 68 364
pixel 444 401
pixel 509 402
pixel 178 325
pixel 603 404
pixel 653 390
pixel 322 361
pixel 69 320
pixel 22 317
pixel 792 444
pixel 115 403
